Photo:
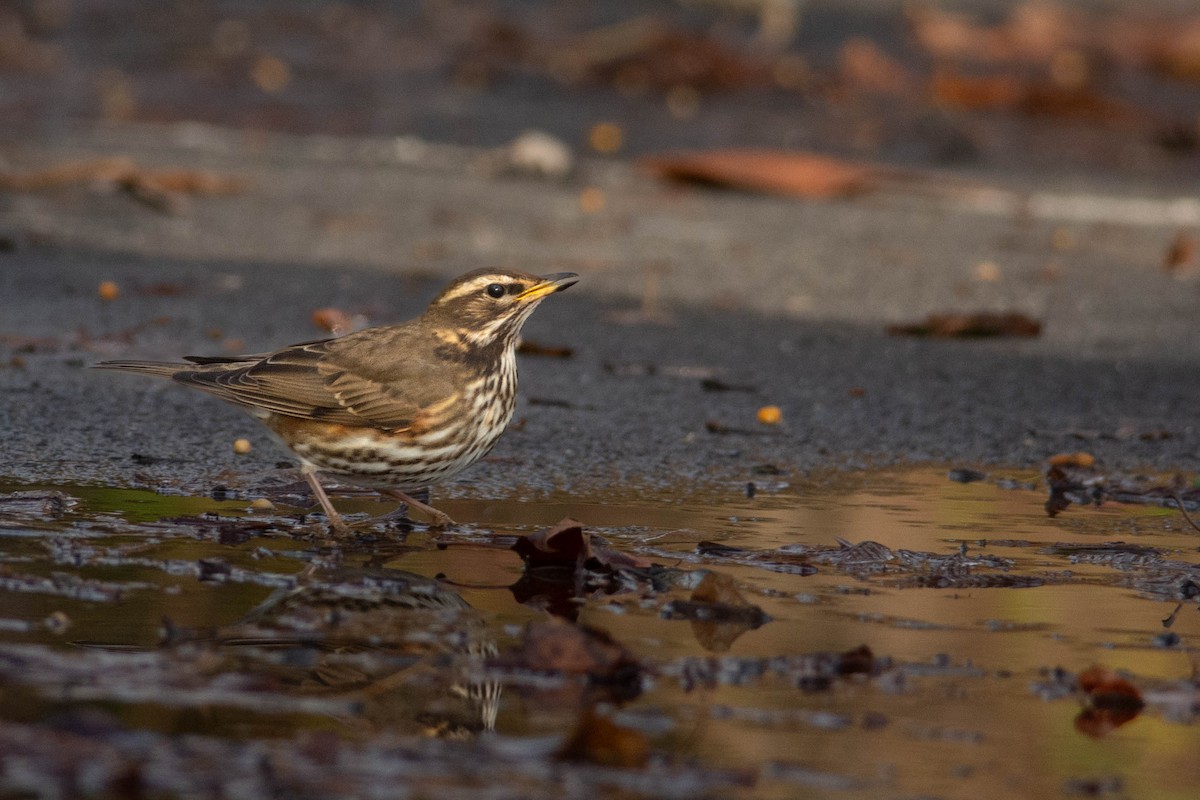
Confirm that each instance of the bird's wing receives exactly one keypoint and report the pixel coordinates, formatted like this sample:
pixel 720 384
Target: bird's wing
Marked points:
pixel 379 380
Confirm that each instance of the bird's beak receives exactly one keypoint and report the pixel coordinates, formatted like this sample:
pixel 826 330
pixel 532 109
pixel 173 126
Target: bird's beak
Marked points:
pixel 549 284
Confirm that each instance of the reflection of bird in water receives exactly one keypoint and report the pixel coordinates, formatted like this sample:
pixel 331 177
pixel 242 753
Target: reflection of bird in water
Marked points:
pixel 405 646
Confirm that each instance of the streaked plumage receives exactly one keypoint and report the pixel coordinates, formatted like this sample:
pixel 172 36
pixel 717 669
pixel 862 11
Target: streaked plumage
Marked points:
pixel 396 408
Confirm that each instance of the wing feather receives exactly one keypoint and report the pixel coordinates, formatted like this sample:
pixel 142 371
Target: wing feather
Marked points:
pixel 381 379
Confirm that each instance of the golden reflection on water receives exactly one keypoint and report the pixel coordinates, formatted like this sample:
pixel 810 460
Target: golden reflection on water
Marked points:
pixel 969 726
pixel 977 735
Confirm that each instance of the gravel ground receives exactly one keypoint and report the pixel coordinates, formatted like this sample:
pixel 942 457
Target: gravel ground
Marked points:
pixel 788 301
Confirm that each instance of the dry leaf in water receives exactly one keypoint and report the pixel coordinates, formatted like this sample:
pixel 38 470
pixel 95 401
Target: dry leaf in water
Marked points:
pixel 567 544
pixel 599 740
pixel 554 645
pixel 718 612
pixel 1111 701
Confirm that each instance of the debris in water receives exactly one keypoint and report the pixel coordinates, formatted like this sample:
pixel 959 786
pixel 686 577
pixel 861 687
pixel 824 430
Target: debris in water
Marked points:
pixel 718 612
pixel 599 740
pixel 963 475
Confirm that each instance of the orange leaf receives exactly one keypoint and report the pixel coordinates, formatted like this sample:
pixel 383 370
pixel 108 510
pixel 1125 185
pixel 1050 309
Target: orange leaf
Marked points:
pixel 599 740
pixel 794 174
pixel 975 93
pixel 333 320
pixel 970 326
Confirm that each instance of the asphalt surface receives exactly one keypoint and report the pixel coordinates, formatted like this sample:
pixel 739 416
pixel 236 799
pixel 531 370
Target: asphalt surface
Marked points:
pixel 786 301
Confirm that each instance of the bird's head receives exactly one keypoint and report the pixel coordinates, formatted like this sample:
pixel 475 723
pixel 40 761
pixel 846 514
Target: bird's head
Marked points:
pixel 488 307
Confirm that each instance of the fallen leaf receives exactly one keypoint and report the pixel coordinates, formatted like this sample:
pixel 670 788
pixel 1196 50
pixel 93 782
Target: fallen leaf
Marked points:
pixel 333 320
pixel 96 170
pixel 565 563
pixel 189 181
pixel 1009 93
pixel 1111 701
pixel 1081 459
pixel 970 326
pixel 1175 51
pixel 567 544
pixel 789 173
pixel 1181 255
pixel 975 93
pixel 555 645
pixel 1075 102
pixel 718 613
pixel 118 169
pixel 164 189
pixel 599 740
pixel 1032 33
pixel 863 65
pixel 531 348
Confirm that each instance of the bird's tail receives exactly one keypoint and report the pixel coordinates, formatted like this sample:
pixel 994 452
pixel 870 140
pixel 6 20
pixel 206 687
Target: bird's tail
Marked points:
pixel 165 368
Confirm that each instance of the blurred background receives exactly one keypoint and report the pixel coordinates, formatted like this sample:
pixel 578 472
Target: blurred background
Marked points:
pixel 983 84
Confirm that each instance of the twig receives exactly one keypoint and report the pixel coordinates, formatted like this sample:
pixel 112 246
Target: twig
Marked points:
pixel 1186 515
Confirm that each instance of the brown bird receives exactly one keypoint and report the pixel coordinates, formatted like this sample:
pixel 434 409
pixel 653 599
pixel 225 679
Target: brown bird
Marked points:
pixel 395 408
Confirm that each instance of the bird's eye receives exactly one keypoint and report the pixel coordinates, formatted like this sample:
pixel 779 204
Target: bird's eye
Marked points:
pixel 495 290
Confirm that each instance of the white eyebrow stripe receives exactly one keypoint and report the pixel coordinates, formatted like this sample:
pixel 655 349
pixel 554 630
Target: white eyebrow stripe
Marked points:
pixel 476 285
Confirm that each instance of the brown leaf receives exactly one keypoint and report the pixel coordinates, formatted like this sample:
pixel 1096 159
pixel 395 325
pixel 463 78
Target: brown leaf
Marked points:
pixel 190 181
pixel 1033 32
pixel 1009 93
pixel 970 326
pixel 555 645
pixel 974 92
pixel 531 348
pixel 1081 459
pixel 718 612
pixel 95 170
pixel 1106 688
pixel 717 588
pixel 1181 254
pixel 1111 701
pixel 1075 102
pixel 599 740
pixel 865 66
pixel 333 320
pixel 788 173
pixel 567 544
pixel 1175 51
pixel 123 171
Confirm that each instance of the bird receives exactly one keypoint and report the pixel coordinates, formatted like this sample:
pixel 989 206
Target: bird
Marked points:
pixel 394 408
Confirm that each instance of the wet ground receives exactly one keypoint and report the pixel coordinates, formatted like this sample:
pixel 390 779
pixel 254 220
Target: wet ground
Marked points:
pixel 805 608
pixel 885 634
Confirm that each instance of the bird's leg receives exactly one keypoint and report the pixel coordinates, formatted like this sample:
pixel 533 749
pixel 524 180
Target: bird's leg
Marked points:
pixel 440 518
pixel 335 519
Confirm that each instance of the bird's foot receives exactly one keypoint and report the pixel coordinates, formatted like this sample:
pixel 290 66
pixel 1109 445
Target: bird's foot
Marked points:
pixel 437 519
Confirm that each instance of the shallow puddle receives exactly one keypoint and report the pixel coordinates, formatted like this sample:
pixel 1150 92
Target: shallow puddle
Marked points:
pixel 145 638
